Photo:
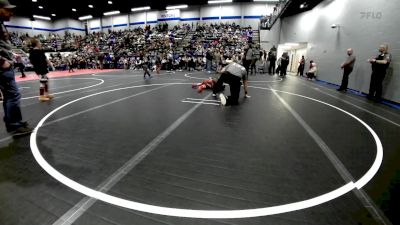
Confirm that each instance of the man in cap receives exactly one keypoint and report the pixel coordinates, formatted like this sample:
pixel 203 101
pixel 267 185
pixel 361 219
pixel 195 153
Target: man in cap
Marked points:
pixel 8 86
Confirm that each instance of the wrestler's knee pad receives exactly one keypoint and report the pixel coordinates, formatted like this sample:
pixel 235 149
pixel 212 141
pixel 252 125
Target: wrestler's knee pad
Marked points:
pixel 43 79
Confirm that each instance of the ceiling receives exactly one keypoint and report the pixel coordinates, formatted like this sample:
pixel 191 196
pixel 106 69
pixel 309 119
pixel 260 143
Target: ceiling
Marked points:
pixel 294 7
pixel 63 9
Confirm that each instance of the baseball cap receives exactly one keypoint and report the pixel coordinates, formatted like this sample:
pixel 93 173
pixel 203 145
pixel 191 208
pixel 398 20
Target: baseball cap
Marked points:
pixel 6 4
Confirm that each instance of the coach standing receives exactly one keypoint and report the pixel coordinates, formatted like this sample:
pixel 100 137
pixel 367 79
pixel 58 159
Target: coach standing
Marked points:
pixel 347 67
pixel 379 66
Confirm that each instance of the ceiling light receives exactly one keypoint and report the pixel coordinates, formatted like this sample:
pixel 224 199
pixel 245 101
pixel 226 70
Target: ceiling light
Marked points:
pixel 40 7
pixel 91 6
pixel 219 1
pixel 111 13
pixel 53 14
pixel 110 2
pixel 177 7
pixel 303 5
pixel 88 17
pixel 73 9
pixel 291 44
pixel 34 0
pixel 41 17
pixel 140 8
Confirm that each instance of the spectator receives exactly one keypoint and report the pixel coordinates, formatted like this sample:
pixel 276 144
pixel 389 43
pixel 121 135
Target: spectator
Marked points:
pixel 11 96
pixel 300 69
pixel 284 62
pixel 312 71
pixel 347 67
pixel 272 61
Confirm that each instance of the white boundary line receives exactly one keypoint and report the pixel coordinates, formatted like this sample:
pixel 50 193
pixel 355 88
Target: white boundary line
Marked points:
pixel 204 100
pixel 339 166
pixel 271 81
pixel 62 87
pixel 81 207
pixel 62 92
pixel 200 102
pixel 267 81
pixel 379 154
pixel 220 214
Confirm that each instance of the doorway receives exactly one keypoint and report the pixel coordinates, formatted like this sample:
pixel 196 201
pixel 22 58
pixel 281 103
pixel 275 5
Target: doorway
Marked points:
pixel 295 52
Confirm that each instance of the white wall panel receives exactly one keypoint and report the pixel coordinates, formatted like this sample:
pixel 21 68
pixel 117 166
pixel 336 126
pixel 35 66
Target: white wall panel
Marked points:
pixel 106 22
pixel 257 9
pixel 271 37
pixel 210 11
pixel 120 19
pixel 60 24
pixel 94 25
pixel 192 13
pixel 152 16
pixel 230 10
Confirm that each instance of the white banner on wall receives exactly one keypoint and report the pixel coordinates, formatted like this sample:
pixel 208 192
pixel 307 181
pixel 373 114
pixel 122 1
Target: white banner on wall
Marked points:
pixel 169 14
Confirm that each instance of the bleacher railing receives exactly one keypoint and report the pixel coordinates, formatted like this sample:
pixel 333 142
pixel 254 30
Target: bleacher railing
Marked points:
pixel 267 21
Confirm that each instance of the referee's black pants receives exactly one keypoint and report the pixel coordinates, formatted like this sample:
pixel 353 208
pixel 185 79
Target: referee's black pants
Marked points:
pixel 375 87
pixel 234 84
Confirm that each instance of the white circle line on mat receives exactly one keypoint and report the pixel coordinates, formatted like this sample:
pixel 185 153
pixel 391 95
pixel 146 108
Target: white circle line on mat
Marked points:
pixel 62 92
pixel 256 81
pixel 216 214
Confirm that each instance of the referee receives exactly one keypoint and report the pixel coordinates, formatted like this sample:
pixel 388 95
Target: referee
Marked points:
pixel 232 74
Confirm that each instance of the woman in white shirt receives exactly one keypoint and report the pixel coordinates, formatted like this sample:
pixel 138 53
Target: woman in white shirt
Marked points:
pixel 313 69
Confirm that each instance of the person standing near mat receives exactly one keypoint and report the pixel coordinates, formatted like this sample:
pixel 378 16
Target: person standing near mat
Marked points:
pixel 19 63
pixel 247 57
pixel 347 67
pixel 379 65
pixel 146 70
pixel 302 64
pixel 8 86
pixel 40 64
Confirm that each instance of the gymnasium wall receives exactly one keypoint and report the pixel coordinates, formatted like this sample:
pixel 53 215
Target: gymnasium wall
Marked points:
pixel 362 25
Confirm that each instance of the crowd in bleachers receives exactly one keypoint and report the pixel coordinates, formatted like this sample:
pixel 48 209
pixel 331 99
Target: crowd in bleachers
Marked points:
pixel 205 47
pixel 51 42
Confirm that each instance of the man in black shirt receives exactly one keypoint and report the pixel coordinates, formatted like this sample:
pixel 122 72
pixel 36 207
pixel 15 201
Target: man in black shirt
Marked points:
pixel 302 64
pixel 284 64
pixel 8 86
pixel 379 66
pixel 272 60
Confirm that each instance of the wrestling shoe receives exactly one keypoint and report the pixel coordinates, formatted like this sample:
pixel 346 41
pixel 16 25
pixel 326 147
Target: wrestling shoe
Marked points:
pixel 222 98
